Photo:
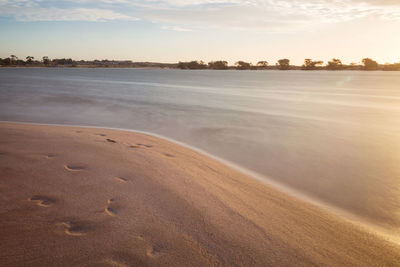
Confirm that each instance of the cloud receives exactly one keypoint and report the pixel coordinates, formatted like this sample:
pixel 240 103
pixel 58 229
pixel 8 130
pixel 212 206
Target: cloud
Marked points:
pixel 175 28
pixel 263 15
pixel 75 14
pixel 379 2
pixel 258 15
pixel 30 10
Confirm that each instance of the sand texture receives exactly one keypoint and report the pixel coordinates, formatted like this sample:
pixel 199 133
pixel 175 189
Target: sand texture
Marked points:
pixel 90 197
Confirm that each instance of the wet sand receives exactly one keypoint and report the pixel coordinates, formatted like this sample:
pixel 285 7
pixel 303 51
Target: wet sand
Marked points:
pixel 90 197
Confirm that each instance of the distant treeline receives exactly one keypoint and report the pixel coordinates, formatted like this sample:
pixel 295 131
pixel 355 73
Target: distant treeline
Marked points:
pixel 282 64
pixel 14 61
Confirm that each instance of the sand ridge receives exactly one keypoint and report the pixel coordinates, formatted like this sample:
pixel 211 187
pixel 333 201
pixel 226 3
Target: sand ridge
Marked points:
pixel 141 201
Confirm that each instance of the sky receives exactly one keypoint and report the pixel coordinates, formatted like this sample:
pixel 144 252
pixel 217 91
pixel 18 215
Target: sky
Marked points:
pixel 179 30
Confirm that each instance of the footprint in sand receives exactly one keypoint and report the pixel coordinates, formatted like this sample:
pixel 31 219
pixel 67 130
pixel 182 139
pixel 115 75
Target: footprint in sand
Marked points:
pixel 50 155
pixel 121 179
pixel 76 228
pixel 100 134
pixel 144 145
pixel 169 155
pixel 75 167
pixel 154 251
pixel 111 208
pixel 43 201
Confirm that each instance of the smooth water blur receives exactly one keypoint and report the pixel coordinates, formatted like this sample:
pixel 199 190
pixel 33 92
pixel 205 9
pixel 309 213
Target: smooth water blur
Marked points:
pixel 334 136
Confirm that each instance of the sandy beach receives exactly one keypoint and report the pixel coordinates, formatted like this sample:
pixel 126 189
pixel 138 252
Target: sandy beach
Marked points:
pixel 74 196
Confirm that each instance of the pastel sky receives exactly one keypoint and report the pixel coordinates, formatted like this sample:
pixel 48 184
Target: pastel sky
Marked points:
pixel 179 30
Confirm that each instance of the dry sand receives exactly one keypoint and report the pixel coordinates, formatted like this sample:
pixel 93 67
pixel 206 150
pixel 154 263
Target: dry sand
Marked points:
pixel 89 197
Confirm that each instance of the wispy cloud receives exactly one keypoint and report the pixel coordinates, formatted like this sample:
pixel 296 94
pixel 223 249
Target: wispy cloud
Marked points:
pixel 75 14
pixel 175 28
pixel 31 10
pixel 272 15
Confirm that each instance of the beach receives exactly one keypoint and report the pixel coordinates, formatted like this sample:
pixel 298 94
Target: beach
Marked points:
pixel 74 196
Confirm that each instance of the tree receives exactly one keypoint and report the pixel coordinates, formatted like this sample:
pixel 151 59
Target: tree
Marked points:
pixel 355 66
pixel 46 60
pixel 29 59
pixel 370 64
pixel 262 64
pixel 13 59
pixel 200 65
pixel 6 61
pixel 283 64
pixel 241 65
pixel 182 65
pixel 193 65
pixel 218 65
pixel 391 67
pixel 334 64
pixel 309 64
pixel 20 62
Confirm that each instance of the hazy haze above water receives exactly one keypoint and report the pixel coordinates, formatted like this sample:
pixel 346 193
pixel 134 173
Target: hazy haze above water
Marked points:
pixel 334 136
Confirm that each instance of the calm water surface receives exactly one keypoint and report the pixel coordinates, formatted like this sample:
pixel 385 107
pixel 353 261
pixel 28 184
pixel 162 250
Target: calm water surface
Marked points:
pixel 334 136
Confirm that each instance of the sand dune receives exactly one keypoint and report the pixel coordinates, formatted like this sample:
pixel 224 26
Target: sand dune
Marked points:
pixel 85 197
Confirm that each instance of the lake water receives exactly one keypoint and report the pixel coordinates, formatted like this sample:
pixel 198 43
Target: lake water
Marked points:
pixel 333 136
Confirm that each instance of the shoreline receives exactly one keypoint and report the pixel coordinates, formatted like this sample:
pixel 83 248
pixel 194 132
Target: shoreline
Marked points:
pixel 171 68
pixel 385 233
pixel 141 192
